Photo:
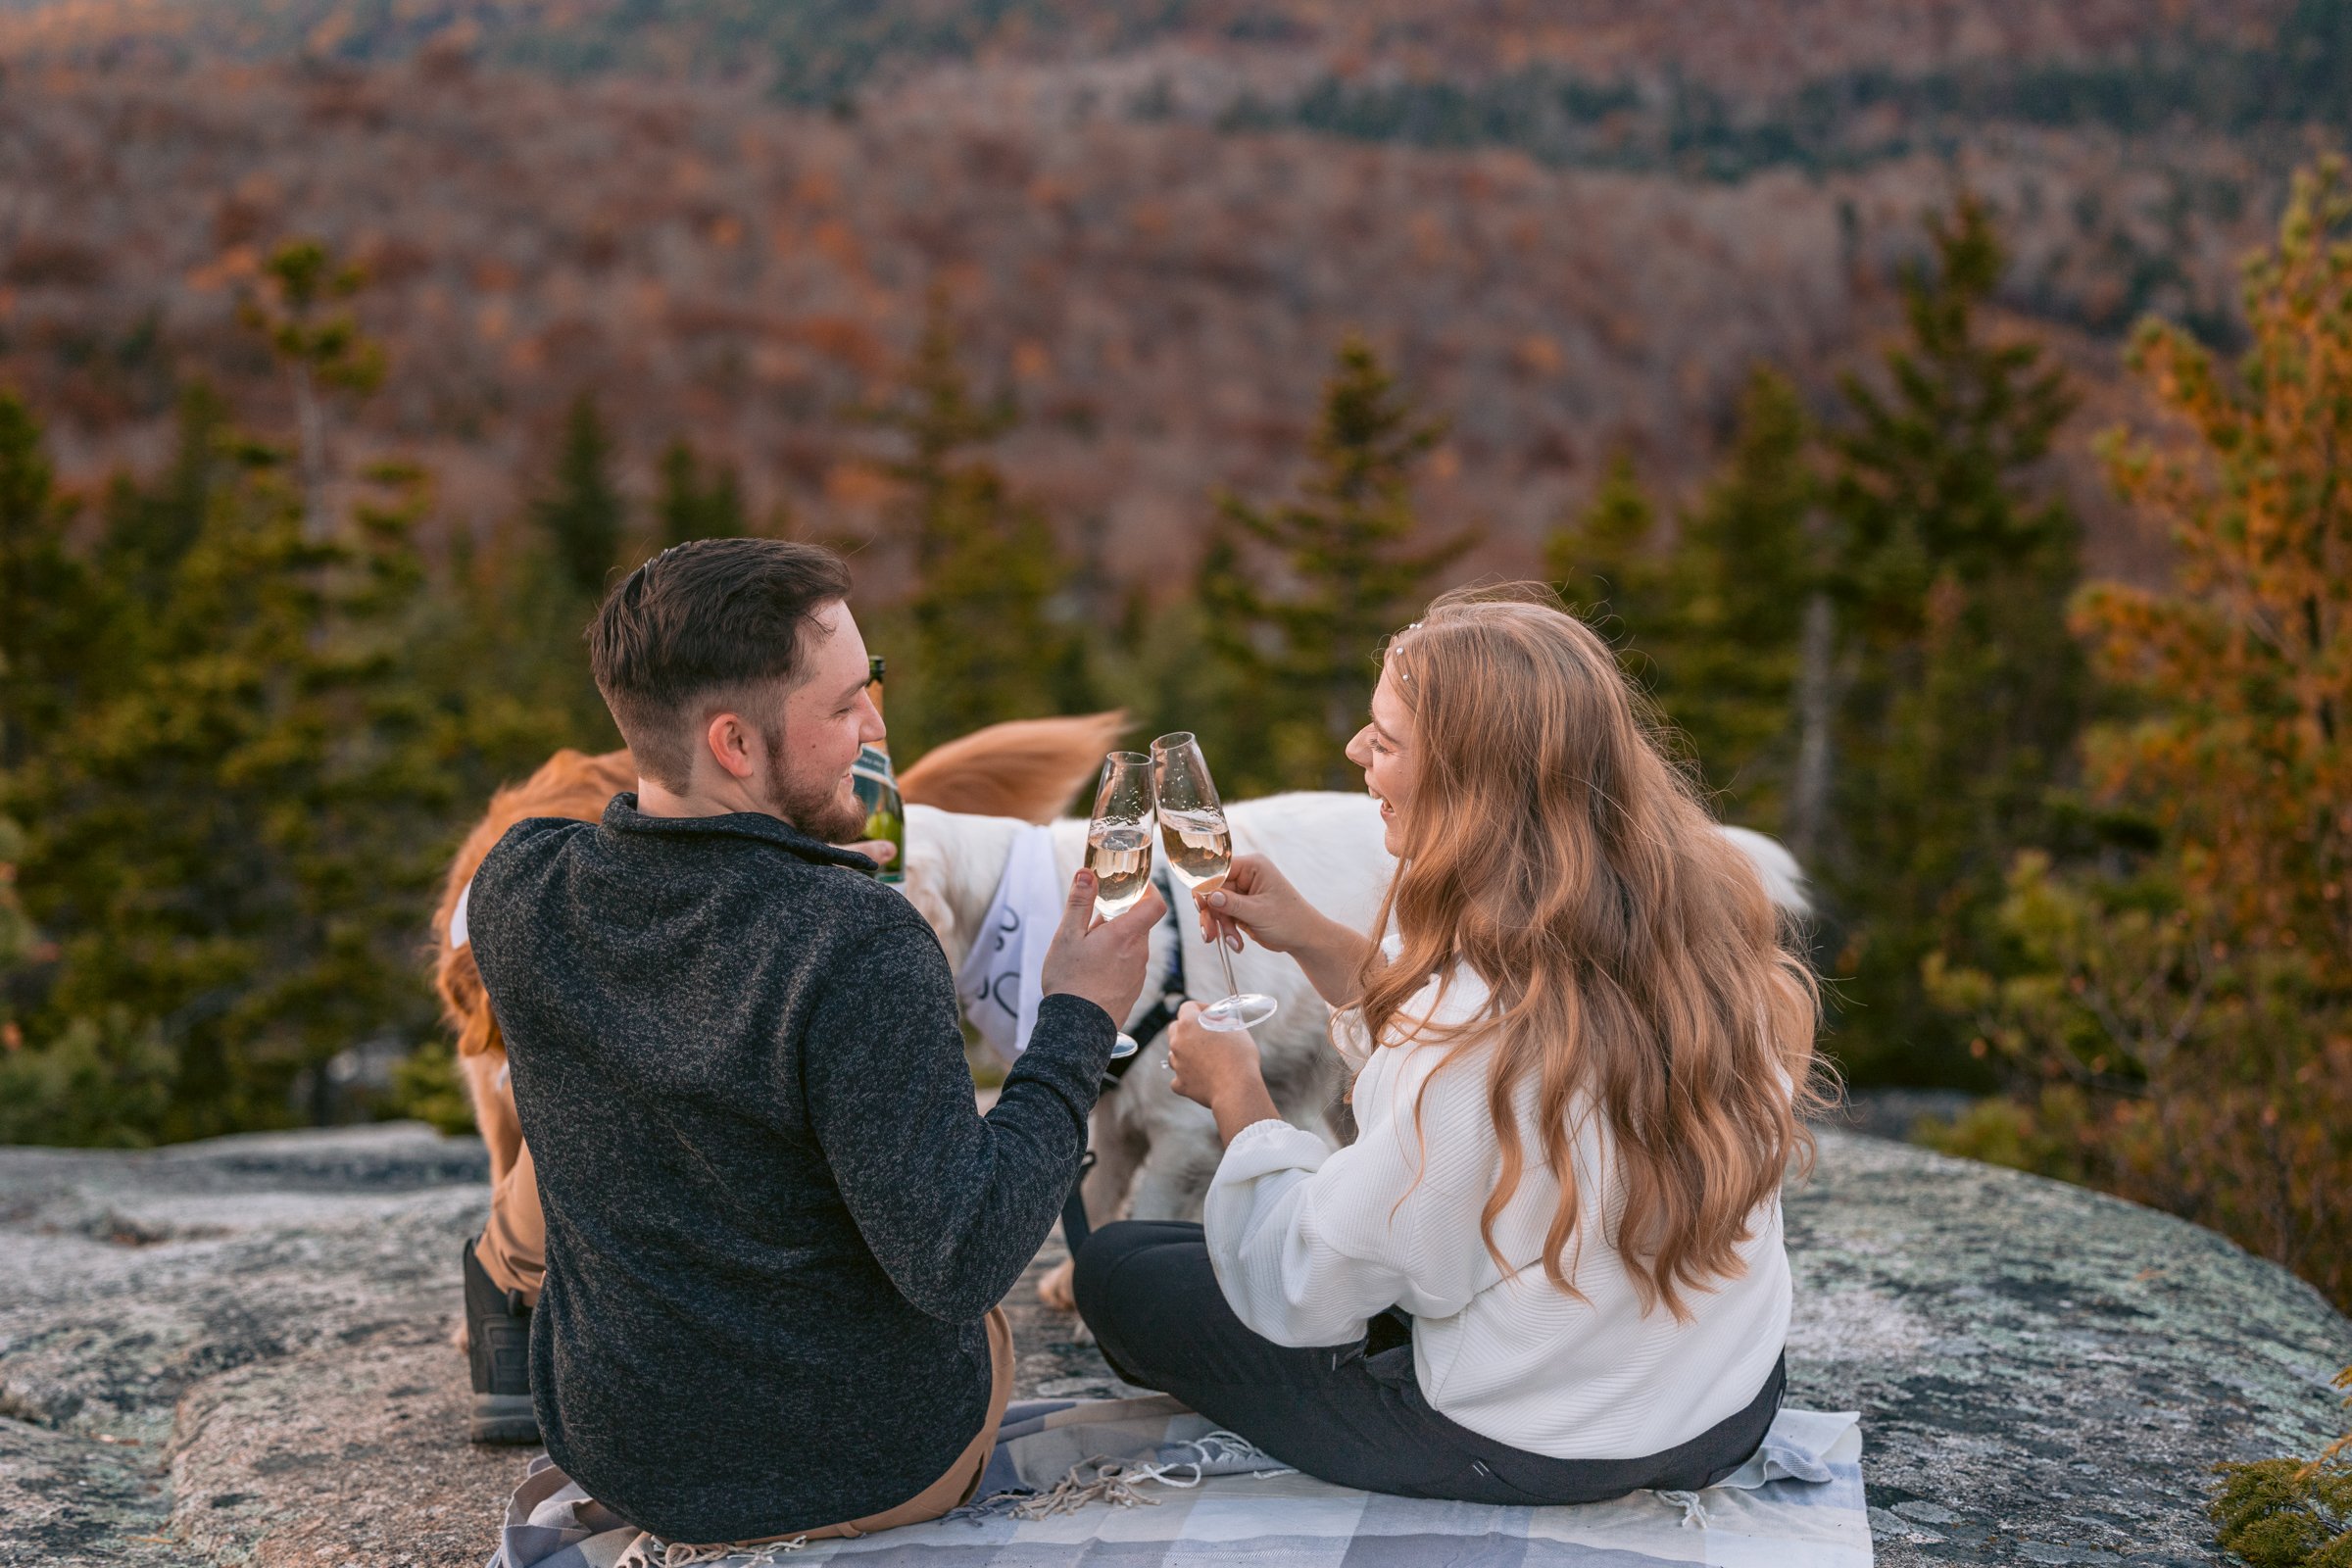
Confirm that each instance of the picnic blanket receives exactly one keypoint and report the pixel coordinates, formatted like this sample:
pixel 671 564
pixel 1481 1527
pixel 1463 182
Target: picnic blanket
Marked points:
pixel 1148 1484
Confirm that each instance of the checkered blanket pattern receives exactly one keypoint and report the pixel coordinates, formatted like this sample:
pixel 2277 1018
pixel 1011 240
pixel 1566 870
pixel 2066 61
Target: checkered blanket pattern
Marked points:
pixel 1769 1515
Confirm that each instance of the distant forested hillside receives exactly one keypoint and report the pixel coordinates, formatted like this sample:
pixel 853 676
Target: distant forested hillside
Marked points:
pixel 1573 237
pixel 1164 354
pixel 2223 61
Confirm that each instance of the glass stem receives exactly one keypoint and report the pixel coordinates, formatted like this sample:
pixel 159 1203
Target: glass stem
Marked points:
pixel 1225 958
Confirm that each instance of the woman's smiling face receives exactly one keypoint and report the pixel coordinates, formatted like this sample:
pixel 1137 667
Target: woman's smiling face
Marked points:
pixel 1384 749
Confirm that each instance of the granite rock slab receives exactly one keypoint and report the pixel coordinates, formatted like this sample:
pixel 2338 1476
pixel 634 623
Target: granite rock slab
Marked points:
pixel 242 1352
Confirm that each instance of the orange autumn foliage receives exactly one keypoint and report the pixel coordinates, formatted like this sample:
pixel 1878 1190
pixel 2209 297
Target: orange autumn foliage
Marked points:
pixel 2192 1024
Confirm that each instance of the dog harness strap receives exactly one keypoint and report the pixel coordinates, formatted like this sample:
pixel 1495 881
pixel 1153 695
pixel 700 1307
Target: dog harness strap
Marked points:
pixel 1149 1027
pixel 1074 1226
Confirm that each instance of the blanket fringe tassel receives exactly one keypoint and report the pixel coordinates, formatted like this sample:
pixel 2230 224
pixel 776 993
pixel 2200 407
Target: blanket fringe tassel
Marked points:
pixel 639 1553
pixel 1118 1482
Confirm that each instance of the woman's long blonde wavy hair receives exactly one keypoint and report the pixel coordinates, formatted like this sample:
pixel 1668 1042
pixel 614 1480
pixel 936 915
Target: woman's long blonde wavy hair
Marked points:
pixel 1637 972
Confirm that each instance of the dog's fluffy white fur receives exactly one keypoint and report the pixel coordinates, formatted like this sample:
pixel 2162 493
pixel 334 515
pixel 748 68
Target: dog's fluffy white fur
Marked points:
pixel 1155 1151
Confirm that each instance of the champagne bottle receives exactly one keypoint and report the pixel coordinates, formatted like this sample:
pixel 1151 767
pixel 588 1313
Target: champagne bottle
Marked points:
pixel 878 790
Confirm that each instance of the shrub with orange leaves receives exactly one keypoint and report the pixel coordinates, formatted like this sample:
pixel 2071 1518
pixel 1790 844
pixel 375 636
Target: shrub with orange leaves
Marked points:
pixel 2190 1018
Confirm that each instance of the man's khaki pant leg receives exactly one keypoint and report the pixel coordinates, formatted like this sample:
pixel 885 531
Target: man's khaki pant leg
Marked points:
pixel 512 1249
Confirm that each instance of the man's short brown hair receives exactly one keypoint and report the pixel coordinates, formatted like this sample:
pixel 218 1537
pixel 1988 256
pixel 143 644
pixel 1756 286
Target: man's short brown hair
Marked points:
pixel 701 627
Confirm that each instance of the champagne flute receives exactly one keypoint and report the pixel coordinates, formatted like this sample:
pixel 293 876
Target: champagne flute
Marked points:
pixel 1192 825
pixel 1119 843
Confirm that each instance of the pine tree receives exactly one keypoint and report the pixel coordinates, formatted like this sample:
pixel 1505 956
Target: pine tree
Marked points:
pixel 1711 625
pixel 2177 1008
pixel 987 642
pixel 1951 710
pixel 229 838
pixel 1301 639
pixel 321 348
pixel 1607 560
pixel 37 580
pixel 73 632
pixel 150 527
pixel 581 514
pixel 693 504
pixel 48 605
pixel 511 631
pixel 1612 569
pixel 1751 552
pixel 1966 689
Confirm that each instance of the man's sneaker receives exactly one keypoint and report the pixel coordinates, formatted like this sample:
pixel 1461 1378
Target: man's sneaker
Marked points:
pixel 497 1345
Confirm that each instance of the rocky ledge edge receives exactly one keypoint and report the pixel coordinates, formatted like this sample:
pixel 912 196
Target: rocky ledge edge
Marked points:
pixel 241 1351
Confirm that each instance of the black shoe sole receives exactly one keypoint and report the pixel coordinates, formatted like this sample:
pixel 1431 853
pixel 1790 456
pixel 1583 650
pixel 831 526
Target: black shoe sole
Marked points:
pixel 504 1418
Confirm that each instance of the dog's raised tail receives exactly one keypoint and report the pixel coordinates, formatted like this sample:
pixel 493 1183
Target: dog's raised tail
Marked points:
pixel 1027 768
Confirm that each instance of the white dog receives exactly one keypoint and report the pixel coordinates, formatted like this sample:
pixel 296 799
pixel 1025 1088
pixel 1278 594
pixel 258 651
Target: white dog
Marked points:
pixel 1155 1151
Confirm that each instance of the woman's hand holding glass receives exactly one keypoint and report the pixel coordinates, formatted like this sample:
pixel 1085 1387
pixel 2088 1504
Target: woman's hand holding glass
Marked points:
pixel 1218 1069
pixel 1256 901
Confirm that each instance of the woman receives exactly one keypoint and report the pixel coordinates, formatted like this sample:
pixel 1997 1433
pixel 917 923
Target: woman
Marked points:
pixel 1549 1269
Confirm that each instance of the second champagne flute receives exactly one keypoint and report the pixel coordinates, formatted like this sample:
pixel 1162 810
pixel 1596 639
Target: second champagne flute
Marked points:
pixel 1119 843
pixel 1191 822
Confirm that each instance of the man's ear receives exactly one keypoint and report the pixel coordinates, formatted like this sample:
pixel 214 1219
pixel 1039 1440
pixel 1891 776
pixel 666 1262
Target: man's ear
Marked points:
pixel 730 741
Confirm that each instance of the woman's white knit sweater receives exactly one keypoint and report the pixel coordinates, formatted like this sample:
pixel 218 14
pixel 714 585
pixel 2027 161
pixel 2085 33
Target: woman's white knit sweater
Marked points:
pixel 1309 1243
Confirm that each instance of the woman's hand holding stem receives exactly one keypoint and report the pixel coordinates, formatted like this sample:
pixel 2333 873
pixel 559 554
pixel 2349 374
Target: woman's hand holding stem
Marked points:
pixel 1257 902
pixel 1220 1069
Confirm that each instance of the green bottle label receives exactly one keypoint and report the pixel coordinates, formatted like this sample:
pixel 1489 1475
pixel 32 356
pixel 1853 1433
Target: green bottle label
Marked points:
pixel 885 814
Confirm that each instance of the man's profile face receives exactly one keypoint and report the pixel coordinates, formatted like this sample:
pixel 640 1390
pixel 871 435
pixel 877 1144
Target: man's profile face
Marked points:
pixel 827 718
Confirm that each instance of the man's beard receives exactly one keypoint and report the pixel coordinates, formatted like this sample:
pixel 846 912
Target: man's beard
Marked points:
pixel 817 812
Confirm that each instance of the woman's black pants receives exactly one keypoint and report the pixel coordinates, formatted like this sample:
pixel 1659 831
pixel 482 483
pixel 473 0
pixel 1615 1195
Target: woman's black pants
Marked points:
pixel 1350 1415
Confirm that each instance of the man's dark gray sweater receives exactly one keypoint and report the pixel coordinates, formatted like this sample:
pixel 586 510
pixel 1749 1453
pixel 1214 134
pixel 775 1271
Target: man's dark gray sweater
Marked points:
pixel 775 1223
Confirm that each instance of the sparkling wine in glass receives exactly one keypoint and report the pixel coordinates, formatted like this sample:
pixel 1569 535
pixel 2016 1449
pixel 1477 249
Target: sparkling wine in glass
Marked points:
pixel 1119 853
pixel 1119 843
pixel 1199 845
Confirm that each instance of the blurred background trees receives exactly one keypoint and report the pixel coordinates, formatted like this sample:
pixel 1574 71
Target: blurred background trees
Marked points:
pixel 987 623
pixel 2094 868
pixel 1712 623
pixel 229 817
pixel 322 350
pixel 698 500
pixel 1296 597
pixel 1960 687
pixel 579 515
pixel 1859 635
pixel 2178 1011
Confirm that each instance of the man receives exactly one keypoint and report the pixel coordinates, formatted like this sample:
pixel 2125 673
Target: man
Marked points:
pixel 776 1227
